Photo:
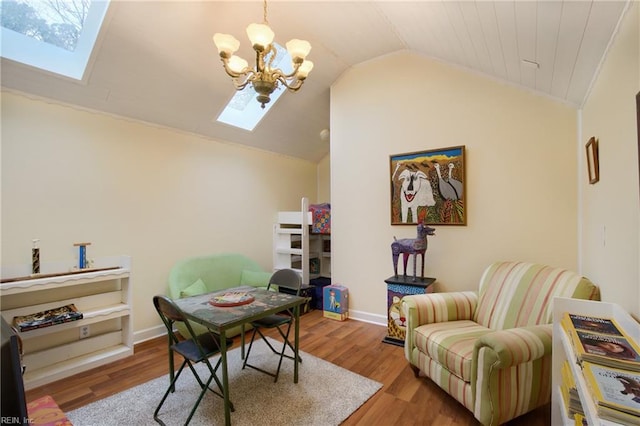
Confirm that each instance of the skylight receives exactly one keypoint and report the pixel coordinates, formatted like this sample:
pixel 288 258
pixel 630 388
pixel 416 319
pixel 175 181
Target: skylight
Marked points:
pixel 243 110
pixel 52 35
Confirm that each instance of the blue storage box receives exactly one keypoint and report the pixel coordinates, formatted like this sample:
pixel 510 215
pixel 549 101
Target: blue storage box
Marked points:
pixel 318 285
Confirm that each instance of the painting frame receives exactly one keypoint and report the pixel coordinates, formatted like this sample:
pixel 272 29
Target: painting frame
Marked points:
pixel 428 187
pixel 593 166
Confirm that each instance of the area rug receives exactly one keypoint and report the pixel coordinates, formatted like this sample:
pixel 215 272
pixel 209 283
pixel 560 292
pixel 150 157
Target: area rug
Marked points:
pixel 325 394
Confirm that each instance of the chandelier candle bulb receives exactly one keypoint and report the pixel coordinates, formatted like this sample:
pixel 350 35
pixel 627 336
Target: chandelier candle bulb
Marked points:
pixel 227 44
pixel 298 50
pixel 260 35
pixel 237 64
pixel 304 70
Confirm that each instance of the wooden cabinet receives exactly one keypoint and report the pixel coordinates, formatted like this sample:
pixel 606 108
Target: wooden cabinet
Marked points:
pixel 103 335
pixel 563 350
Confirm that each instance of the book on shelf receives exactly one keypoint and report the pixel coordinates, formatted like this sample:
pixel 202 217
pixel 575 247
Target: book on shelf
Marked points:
pixel 615 392
pixel 602 341
pixel 47 318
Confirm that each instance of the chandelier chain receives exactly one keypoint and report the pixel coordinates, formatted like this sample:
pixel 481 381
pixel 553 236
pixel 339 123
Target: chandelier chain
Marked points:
pixel 265 12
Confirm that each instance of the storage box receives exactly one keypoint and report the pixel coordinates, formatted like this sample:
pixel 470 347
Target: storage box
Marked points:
pixel 305 291
pixel 336 302
pixel 333 315
pixel 318 285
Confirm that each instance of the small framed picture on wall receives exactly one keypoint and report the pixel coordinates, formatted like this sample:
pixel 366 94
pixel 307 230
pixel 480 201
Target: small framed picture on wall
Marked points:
pixel 593 166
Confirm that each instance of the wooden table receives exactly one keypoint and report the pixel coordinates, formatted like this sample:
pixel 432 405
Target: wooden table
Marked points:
pixel 221 319
pixel 399 286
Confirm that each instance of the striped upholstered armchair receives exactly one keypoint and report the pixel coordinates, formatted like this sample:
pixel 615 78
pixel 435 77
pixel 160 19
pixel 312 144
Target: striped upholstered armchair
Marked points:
pixel 491 349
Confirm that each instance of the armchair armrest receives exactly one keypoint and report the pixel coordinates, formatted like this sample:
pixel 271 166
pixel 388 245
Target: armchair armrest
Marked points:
pixel 511 365
pixel 516 345
pixel 420 309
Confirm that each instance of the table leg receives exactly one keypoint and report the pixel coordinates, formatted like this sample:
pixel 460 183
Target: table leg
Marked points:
pixel 296 343
pixel 225 378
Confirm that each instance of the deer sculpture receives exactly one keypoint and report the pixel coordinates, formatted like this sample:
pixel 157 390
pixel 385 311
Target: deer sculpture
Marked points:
pixel 414 246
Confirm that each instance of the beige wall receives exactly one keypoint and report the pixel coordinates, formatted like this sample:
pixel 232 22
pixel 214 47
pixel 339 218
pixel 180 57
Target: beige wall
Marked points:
pixel 132 189
pixel 520 173
pixel 610 209
pixel 324 180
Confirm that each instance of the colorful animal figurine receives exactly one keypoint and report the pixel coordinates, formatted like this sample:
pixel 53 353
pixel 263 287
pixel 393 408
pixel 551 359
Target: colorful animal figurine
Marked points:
pixel 414 246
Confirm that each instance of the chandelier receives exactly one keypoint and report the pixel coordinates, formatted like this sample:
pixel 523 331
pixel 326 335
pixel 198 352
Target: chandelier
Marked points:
pixel 263 77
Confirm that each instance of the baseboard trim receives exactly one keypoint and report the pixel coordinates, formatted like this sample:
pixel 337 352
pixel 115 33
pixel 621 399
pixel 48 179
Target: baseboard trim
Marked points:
pixel 148 334
pixel 157 331
pixel 368 317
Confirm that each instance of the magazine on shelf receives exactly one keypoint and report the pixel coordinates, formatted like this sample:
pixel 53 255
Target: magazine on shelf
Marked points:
pixel 569 392
pixel 618 416
pixel 613 351
pixel 614 390
pixel 591 324
pixel 601 340
pixel 47 318
pixel 580 420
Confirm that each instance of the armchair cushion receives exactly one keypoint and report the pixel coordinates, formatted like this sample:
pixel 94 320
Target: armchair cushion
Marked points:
pixel 451 344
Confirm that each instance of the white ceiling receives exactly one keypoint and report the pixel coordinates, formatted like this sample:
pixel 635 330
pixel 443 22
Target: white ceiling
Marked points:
pixel 155 60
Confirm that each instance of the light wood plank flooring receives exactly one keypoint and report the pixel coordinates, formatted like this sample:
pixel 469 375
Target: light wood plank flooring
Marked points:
pixel 354 345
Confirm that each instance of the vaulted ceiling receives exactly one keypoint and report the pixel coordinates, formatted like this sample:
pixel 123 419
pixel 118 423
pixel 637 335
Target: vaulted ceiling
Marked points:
pixel 155 60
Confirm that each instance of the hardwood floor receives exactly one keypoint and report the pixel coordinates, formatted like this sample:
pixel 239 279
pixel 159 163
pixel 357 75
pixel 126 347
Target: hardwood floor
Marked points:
pixel 354 345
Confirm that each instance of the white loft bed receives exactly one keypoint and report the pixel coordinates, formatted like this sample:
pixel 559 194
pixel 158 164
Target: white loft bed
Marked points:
pixel 295 245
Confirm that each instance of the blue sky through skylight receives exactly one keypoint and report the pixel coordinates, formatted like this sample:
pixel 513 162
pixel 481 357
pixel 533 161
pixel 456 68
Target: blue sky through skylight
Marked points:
pixel 35 33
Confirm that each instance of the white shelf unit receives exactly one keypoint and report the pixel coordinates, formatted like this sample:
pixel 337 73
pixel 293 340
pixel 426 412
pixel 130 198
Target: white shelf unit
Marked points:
pixel 563 350
pixel 295 247
pixel 55 352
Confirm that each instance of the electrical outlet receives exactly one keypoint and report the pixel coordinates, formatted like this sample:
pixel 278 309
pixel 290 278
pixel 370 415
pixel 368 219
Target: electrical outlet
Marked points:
pixel 84 332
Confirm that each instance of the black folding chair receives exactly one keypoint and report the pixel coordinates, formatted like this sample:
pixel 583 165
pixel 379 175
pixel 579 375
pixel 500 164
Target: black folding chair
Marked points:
pixel 194 349
pixel 285 279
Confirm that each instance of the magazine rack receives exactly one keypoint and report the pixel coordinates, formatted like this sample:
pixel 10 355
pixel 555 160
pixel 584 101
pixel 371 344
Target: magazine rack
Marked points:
pixel 103 335
pixel 563 350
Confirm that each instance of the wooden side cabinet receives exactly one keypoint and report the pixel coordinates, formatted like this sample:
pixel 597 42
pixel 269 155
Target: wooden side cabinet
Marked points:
pixel 399 286
pixel 103 335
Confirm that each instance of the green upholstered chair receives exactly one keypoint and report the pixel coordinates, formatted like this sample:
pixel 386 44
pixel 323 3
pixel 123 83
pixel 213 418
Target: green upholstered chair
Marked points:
pixel 204 274
pixel 491 349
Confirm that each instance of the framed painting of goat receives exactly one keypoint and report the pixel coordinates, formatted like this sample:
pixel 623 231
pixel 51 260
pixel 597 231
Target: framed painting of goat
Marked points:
pixel 428 187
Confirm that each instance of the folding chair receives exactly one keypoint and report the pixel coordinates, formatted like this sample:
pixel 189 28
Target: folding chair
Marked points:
pixel 284 279
pixel 194 350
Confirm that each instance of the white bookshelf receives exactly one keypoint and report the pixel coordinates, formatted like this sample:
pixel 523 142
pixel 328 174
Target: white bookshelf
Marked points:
pixel 55 352
pixel 295 247
pixel 563 350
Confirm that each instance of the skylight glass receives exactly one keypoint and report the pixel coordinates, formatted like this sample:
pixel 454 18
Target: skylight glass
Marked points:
pixel 52 35
pixel 243 110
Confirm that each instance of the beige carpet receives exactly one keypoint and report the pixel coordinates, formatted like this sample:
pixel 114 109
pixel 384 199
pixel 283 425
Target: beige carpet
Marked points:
pixel 324 395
